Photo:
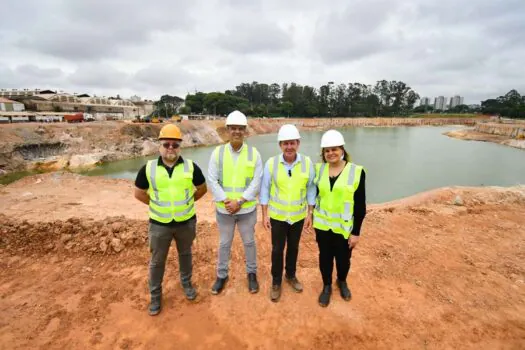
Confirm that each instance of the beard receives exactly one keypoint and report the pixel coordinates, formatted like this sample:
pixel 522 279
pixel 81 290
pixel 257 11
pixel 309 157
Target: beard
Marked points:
pixel 170 156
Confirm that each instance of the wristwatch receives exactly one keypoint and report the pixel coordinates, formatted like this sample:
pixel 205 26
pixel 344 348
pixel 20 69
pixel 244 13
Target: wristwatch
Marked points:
pixel 241 201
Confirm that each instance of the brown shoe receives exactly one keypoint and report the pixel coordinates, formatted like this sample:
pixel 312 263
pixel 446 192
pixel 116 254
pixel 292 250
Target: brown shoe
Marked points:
pixel 296 285
pixel 275 294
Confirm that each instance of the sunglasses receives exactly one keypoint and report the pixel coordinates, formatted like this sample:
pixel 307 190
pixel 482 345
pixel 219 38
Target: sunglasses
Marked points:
pixel 173 145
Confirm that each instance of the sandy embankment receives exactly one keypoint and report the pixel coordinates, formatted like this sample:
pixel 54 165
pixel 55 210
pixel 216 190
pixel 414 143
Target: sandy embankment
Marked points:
pixel 512 135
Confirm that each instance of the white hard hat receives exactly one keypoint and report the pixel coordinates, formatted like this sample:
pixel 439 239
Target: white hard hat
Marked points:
pixel 332 138
pixel 288 132
pixel 236 118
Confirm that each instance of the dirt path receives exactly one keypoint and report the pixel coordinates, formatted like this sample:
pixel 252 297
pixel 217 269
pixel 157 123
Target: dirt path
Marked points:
pixel 427 274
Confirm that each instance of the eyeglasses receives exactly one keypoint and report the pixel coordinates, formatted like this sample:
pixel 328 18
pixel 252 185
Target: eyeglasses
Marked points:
pixel 236 128
pixel 173 145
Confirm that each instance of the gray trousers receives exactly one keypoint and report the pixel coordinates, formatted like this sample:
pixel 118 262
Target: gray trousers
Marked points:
pixel 160 238
pixel 246 224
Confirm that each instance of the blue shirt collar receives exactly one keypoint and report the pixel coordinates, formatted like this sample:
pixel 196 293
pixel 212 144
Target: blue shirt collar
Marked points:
pixel 297 159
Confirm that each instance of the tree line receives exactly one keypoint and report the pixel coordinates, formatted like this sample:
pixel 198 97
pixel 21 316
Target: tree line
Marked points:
pixel 511 105
pixel 385 98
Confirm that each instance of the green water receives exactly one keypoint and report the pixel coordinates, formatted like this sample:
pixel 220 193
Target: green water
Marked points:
pixel 399 161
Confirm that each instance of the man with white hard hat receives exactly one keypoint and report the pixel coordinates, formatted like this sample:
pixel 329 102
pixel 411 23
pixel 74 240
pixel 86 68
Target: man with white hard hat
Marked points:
pixel 287 200
pixel 234 176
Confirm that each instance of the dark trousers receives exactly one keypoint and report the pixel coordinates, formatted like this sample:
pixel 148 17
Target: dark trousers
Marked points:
pixel 284 234
pixel 333 245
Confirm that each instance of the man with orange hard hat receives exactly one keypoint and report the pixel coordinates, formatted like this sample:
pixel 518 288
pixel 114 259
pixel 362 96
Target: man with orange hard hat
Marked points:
pixel 170 185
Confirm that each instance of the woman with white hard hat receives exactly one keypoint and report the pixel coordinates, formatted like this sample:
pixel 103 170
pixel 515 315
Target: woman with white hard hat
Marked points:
pixel 339 212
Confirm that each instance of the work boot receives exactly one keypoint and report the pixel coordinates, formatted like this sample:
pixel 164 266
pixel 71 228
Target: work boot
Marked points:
pixel 190 292
pixel 154 306
pixel 275 294
pixel 218 286
pixel 253 285
pixel 296 285
pixel 324 298
pixel 345 291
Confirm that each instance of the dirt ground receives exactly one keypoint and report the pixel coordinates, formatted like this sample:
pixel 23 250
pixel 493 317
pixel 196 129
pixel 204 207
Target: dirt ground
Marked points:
pixel 440 270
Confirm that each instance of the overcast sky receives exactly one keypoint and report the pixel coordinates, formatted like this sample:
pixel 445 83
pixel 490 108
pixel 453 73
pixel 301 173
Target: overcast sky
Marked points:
pixel 148 48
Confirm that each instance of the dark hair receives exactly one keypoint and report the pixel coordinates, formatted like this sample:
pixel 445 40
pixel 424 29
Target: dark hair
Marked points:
pixel 346 155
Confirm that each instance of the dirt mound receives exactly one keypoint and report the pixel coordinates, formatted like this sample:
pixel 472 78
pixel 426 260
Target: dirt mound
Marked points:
pixel 76 236
pixel 72 236
pixel 139 131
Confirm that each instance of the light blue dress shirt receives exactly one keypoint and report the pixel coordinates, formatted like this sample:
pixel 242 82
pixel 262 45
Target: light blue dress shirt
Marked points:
pixel 264 196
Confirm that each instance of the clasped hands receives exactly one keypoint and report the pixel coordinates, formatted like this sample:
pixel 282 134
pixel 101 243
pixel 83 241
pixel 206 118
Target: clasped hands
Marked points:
pixel 232 205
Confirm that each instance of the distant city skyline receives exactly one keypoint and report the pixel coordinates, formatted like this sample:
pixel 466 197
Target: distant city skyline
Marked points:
pixel 440 102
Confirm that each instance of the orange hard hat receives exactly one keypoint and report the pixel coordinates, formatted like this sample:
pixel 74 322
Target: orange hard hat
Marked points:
pixel 170 131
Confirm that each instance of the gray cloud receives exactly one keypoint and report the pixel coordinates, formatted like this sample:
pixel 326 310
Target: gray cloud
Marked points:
pixel 130 47
pixel 29 76
pixel 35 72
pixel 356 32
pixel 82 30
pixel 93 75
pixel 164 77
pixel 254 35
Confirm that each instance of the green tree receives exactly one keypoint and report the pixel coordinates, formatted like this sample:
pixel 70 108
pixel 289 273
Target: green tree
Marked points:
pixel 511 105
pixel 386 98
pixel 424 109
pixel 220 103
pixel 167 106
pixel 196 102
pixel 286 108
pixel 274 93
pixel 185 110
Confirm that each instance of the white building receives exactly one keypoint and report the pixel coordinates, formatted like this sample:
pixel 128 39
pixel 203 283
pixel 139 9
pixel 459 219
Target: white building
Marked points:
pixel 455 101
pixel 101 108
pixel 13 93
pixel 425 101
pixel 10 106
pixel 440 103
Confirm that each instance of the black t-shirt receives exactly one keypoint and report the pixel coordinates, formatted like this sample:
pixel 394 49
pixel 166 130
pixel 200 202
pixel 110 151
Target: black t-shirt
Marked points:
pixel 141 181
pixel 359 202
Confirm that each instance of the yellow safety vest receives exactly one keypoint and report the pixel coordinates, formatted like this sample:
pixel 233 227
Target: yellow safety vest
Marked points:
pixel 170 198
pixel 288 193
pixel 234 178
pixel 334 210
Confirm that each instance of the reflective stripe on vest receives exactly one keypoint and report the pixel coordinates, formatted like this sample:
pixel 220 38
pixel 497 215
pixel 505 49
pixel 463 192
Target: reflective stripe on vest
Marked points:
pixel 170 198
pixel 334 209
pixel 288 193
pixel 229 179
